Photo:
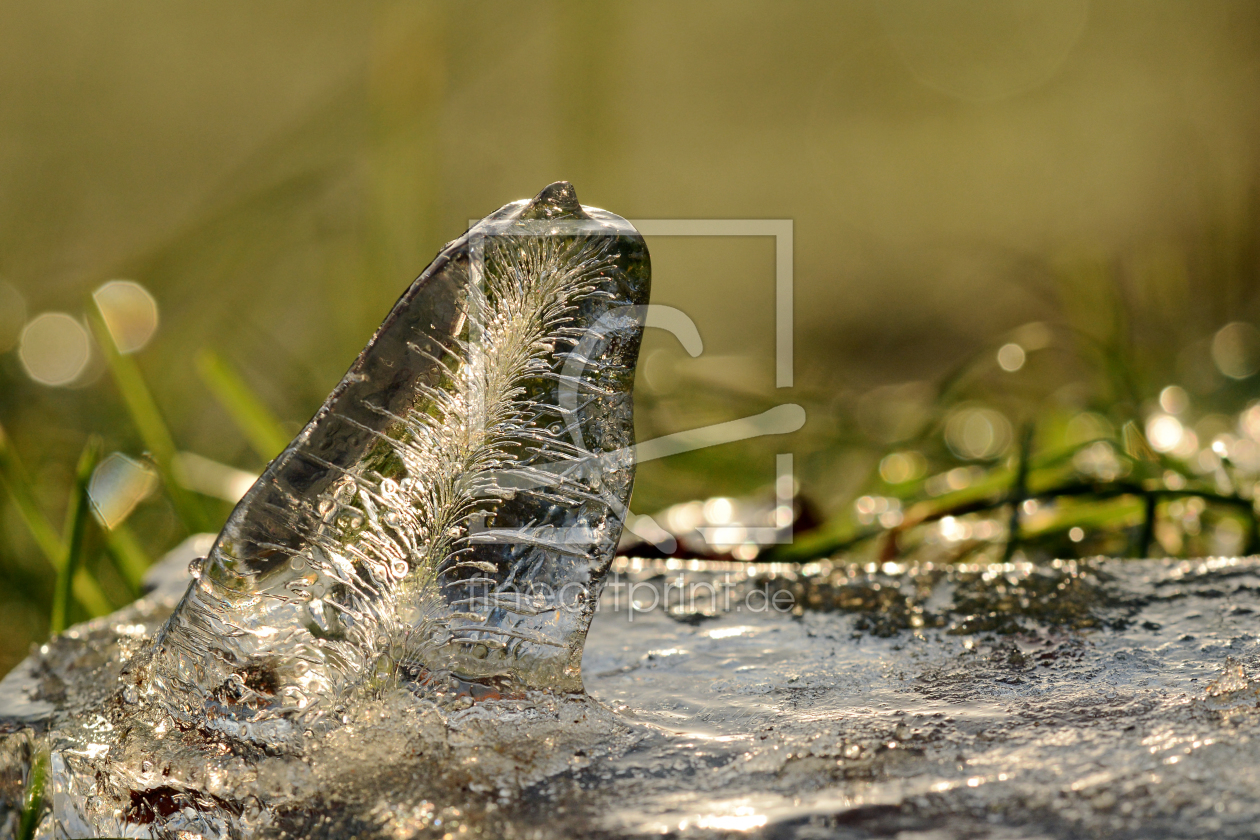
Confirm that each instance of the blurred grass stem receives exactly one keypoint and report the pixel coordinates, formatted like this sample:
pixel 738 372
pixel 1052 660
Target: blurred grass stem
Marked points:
pixel 129 558
pixel 148 420
pixel 86 590
pixel 1019 491
pixel 33 800
pixel 261 428
pixel 78 519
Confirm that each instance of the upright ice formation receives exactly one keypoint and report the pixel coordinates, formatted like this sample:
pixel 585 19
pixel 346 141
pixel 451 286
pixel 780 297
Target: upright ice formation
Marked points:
pixel 451 509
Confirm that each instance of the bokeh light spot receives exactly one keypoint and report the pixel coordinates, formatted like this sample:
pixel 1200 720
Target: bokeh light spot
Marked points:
pixel 119 484
pixel 1249 421
pixel 54 348
pixel 130 313
pixel 900 467
pixel 1034 335
pixel 1164 432
pixel 1236 350
pixel 1174 399
pixel 719 510
pixel 977 433
pixel 1011 357
pixel 1189 445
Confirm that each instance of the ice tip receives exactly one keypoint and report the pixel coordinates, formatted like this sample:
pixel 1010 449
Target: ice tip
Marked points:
pixel 555 201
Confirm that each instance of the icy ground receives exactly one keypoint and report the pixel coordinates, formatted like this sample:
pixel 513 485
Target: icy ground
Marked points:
pixel 1102 700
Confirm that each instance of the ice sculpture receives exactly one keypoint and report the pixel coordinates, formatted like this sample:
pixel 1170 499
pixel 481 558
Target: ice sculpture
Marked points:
pixel 437 534
pixel 451 508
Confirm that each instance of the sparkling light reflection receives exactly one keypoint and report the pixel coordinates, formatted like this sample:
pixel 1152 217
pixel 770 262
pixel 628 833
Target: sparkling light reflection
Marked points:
pixel 1174 399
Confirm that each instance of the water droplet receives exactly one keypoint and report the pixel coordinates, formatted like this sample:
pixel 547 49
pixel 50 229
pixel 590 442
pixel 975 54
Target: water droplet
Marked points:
pixel 195 567
pixel 384 667
pixel 389 487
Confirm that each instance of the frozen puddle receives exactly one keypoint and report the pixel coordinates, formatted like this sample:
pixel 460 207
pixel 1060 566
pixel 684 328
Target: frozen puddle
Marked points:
pixel 747 723
pixel 802 727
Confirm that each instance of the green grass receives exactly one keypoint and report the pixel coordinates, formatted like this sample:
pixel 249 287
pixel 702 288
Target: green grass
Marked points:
pixel 83 586
pixel 33 801
pixel 255 421
pixel 147 419
pixel 78 520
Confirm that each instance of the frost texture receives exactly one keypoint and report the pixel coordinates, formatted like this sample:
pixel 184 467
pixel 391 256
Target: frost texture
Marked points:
pixel 451 509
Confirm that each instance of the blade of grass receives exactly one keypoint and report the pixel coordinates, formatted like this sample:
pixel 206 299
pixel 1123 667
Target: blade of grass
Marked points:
pixel 78 519
pixel 1135 444
pixel 14 477
pixel 33 801
pixel 1019 491
pixel 19 487
pixel 148 420
pixel 1091 515
pixel 129 558
pixel 261 428
pixel 1147 537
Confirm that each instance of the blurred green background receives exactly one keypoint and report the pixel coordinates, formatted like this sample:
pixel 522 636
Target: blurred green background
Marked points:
pixel 1076 179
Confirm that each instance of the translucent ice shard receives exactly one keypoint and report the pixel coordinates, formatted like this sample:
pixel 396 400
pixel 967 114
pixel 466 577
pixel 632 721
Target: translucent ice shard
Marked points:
pixel 451 509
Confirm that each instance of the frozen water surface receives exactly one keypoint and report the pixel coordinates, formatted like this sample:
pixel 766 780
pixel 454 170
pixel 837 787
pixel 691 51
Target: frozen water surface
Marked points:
pixel 805 726
pixel 1139 723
